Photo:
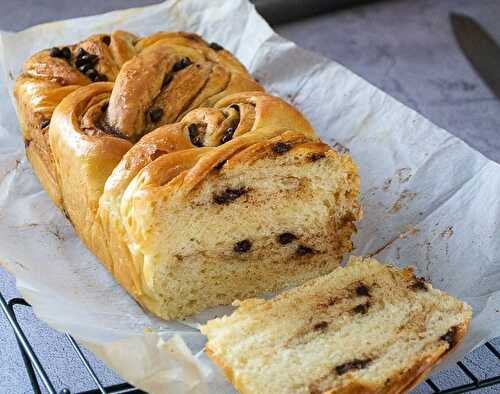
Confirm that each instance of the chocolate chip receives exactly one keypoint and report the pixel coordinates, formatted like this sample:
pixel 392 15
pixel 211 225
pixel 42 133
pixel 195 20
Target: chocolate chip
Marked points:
pixel 242 246
pixel 229 195
pixel 361 308
pixel 281 147
pixel 194 135
pixel 66 53
pixel 88 58
pixel 419 284
pixel 92 74
pixel 104 106
pixel 215 46
pixel 286 238
pixel 79 63
pixel 193 129
pixel 102 78
pixel 220 164
pixel 167 79
pixel 55 52
pixel 44 123
pixel 155 114
pixel 183 63
pixel 97 78
pixel 321 326
pixel 106 40
pixel 354 364
pixel 80 52
pixel 186 62
pixel 316 156
pixel 303 250
pixel 362 290
pixel 450 336
pixel 86 67
pixel 228 135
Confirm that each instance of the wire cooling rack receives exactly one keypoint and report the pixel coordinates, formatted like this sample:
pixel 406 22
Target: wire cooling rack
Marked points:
pixel 36 372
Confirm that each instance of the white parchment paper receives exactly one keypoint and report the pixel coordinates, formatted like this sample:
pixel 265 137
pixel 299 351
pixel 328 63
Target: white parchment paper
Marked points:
pixel 429 199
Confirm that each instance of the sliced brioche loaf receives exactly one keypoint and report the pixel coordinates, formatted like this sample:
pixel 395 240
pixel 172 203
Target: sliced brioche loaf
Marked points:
pixel 365 328
pixel 277 213
pixel 181 174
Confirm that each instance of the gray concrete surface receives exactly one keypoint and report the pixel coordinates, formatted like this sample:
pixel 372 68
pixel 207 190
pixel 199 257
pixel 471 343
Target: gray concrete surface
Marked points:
pixel 407 49
pixel 404 47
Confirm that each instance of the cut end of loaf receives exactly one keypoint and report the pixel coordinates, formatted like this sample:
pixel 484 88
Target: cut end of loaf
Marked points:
pixel 273 215
pixel 363 328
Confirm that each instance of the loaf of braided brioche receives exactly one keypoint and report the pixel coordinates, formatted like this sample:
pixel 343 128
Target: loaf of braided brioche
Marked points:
pixel 191 184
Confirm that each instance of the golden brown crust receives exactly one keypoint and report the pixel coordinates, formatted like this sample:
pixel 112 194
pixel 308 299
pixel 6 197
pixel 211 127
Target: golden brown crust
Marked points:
pixel 122 46
pixel 83 163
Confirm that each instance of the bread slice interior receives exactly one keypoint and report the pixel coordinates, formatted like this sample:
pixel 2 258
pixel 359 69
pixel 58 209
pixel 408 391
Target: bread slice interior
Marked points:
pixel 266 219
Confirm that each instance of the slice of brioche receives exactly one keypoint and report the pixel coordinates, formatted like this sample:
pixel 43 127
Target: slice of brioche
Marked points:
pixel 365 328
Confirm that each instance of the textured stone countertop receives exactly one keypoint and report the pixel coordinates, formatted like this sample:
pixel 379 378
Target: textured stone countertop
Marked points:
pixel 404 47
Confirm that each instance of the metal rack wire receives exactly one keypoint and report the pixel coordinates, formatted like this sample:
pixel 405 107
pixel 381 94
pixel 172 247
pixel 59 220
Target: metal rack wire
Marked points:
pixel 36 372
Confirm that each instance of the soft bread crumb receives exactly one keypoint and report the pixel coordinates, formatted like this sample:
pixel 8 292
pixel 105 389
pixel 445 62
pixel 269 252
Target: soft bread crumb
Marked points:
pixel 225 239
pixel 365 328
